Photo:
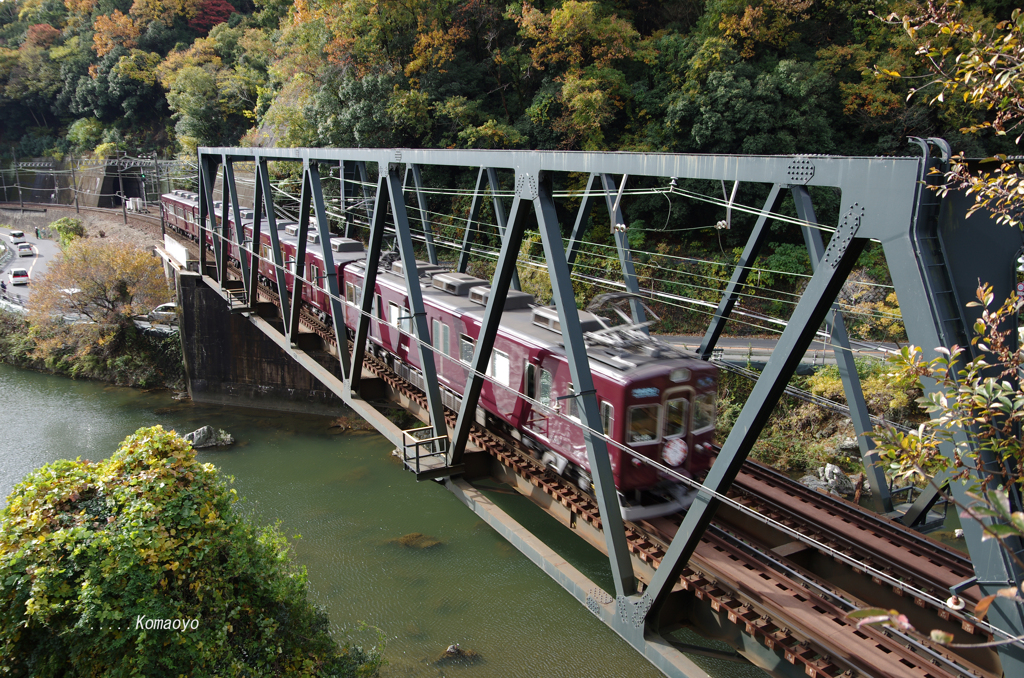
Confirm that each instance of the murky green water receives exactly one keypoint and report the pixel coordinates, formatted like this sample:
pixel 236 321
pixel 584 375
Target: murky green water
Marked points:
pixel 349 499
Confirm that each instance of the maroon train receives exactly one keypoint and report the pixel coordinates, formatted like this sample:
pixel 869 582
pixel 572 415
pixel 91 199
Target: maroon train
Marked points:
pixel 653 400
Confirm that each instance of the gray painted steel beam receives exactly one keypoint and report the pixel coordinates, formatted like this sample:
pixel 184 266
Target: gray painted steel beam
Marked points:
pixel 739 274
pixel 299 265
pixel 489 327
pixel 377 225
pixel 859 414
pixel 428 233
pixel 582 225
pixel 815 303
pixel 474 214
pixel 333 285
pixel 264 192
pixel 583 381
pixel 499 216
pixel 618 221
pixel 230 193
pixel 403 231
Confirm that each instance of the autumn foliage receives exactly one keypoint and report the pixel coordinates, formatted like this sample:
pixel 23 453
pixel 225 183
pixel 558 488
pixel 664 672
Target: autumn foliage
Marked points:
pixel 92 554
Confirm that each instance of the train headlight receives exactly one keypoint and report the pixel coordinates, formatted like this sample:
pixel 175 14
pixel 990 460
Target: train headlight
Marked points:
pixel 675 452
pixel 682 374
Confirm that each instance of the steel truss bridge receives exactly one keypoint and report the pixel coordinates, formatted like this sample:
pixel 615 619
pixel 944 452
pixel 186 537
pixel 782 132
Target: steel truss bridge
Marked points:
pixel 662 578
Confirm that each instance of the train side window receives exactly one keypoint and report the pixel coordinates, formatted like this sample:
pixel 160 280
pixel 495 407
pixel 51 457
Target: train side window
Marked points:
pixel 704 407
pixel 607 417
pixel 499 367
pixel 465 349
pixel 380 309
pixel 314 275
pixel 676 417
pixel 572 408
pixel 399 317
pixel 441 337
pixel 643 424
pixel 530 381
pixel 350 293
pixel 544 387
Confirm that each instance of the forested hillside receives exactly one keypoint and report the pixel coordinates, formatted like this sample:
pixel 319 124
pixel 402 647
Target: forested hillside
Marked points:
pixel 738 76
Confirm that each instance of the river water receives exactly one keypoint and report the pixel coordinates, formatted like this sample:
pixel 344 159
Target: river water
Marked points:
pixel 350 500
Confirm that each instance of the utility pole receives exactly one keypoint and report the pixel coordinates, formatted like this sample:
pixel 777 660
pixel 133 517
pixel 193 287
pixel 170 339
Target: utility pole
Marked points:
pixel 17 179
pixel 120 183
pixel 74 183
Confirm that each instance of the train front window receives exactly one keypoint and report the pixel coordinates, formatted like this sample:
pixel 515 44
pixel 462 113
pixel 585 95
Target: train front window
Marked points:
pixel 676 416
pixel 704 407
pixel 643 424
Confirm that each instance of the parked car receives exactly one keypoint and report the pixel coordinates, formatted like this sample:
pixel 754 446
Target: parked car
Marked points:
pixel 25 250
pixel 18 276
pixel 164 313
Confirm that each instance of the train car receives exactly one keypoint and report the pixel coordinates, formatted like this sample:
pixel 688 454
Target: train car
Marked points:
pixel 656 404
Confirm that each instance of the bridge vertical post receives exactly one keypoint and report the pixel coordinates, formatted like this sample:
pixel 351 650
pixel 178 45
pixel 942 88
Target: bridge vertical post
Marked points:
pixel 739 274
pixel 499 217
pixel 343 195
pixel 815 303
pixel 333 285
pixel 364 178
pixel 377 223
pixel 844 359
pixel 583 381
pixel 428 233
pixel 467 235
pixel 622 245
pixel 510 243
pixel 435 408
pixel 264 195
pixel 208 167
pixel 299 265
pixel 582 224
pixel 230 193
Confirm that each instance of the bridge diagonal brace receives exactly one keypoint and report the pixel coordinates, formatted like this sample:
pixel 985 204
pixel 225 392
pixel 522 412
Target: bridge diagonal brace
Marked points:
pixel 583 380
pixel 618 221
pixel 739 274
pixel 421 200
pixel 403 231
pixel 836 327
pixel 474 215
pixel 510 244
pixel 814 305
pixel 238 237
pixel 499 216
pixel 299 265
pixel 207 219
pixel 333 285
pixel 583 221
pixel 377 225
pixel 265 194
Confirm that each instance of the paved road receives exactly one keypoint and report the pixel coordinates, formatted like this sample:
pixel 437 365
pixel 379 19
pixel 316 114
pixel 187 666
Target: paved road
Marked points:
pixel 44 252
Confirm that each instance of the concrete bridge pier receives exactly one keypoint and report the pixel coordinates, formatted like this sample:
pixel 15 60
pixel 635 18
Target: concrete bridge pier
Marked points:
pixel 228 361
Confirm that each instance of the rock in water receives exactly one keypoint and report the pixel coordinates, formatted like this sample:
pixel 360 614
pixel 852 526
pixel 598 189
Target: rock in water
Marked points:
pixel 207 436
pixel 814 482
pixel 838 482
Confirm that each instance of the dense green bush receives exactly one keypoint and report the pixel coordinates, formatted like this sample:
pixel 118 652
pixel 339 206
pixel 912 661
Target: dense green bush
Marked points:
pixel 92 555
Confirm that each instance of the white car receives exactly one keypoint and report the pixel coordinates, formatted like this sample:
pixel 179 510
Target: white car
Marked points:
pixel 17 236
pixel 25 250
pixel 18 276
pixel 165 313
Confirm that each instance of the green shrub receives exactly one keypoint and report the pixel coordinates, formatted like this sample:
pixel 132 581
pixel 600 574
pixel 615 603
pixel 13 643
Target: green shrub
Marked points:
pixel 92 554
